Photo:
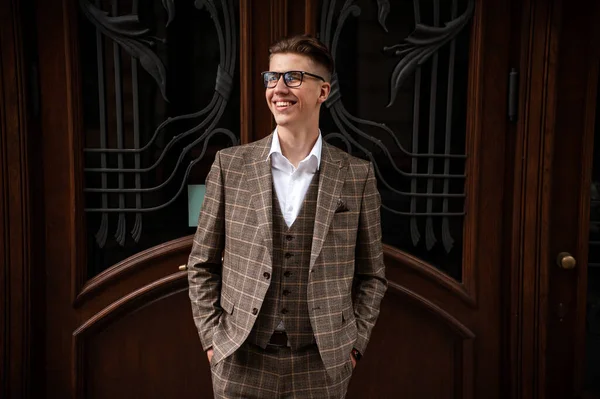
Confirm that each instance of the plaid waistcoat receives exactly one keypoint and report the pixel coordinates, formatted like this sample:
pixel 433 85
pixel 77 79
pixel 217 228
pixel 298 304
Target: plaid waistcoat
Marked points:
pixel 286 297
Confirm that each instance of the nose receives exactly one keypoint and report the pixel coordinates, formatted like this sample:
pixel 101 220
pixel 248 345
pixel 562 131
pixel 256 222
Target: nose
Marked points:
pixel 280 86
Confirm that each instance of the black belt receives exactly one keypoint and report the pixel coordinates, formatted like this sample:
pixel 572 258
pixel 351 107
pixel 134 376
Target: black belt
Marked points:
pixel 279 338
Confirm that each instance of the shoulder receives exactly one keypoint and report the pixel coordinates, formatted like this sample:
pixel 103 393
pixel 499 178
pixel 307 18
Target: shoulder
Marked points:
pixel 237 155
pixel 357 165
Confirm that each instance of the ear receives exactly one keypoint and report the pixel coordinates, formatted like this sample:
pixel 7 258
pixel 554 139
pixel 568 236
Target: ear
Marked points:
pixel 324 94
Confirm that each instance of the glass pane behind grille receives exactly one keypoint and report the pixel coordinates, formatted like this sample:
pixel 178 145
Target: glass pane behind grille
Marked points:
pixel 399 100
pixel 157 80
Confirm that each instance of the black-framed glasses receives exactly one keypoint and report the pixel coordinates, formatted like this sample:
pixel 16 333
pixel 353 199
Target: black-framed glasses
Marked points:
pixel 290 78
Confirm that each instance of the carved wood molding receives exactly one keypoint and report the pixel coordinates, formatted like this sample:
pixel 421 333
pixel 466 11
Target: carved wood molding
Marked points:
pixel 134 264
pixel 262 22
pixel 528 279
pixel 246 81
pixel 430 272
pixel 19 252
pixel 279 19
pixel 474 137
pixel 168 285
pixel 455 325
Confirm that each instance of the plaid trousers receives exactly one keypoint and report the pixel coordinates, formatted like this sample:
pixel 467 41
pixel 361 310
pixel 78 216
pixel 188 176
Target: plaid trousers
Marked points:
pixel 255 373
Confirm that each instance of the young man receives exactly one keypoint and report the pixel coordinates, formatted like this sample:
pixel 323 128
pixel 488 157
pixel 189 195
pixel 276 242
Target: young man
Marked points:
pixel 286 271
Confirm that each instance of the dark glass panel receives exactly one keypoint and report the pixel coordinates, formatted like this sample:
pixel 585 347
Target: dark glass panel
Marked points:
pixel 148 69
pixel 413 129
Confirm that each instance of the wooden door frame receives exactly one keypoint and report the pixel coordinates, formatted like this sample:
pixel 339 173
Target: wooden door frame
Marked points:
pixel 524 226
pixel 21 253
pixel 529 242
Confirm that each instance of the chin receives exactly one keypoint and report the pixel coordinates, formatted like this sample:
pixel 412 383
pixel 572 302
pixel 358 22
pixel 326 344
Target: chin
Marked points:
pixel 284 121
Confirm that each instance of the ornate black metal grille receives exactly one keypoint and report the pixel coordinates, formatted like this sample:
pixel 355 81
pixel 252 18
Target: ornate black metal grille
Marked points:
pixel 157 80
pixel 404 109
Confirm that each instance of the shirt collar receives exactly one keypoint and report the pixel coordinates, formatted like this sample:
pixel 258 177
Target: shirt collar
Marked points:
pixel 316 150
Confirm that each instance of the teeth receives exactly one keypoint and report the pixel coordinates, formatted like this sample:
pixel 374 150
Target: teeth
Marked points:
pixel 283 103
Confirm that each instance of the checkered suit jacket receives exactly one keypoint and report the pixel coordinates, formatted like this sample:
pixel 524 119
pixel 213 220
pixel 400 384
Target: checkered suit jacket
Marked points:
pixel 232 253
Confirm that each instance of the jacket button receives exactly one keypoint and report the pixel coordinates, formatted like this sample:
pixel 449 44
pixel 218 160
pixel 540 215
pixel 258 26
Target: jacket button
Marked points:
pixel 288 255
pixel 284 311
pixel 287 274
pixel 255 311
pixel 266 275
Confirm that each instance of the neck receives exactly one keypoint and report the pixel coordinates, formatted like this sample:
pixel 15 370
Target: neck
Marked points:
pixel 296 144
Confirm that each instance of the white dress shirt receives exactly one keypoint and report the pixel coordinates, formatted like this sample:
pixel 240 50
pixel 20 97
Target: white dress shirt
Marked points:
pixel 291 184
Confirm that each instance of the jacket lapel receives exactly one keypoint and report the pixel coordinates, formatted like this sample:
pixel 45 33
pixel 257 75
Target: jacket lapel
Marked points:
pixel 260 184
pixel 334 166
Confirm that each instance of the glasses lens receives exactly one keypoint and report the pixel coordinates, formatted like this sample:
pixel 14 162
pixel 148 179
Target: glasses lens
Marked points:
pixel 293 78
pixel 270 79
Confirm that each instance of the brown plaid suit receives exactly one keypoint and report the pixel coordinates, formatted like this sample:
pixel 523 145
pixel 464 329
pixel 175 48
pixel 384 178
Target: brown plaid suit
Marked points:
pixel 236 222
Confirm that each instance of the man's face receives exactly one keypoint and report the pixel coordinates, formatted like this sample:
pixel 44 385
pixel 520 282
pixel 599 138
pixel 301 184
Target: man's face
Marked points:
pixel 296 107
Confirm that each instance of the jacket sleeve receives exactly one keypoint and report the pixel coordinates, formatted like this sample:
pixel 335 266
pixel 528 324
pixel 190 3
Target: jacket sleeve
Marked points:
pixel 370 283
pixel 204 263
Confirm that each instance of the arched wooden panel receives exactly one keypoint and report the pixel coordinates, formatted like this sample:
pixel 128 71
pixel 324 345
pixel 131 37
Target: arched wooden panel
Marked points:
pixel 142 346
pixel 417 351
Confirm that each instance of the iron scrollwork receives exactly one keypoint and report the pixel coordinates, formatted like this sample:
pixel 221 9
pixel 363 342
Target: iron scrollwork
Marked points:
pixel 422 44
pixel 135 39
pixel 127 33
pixel 419 47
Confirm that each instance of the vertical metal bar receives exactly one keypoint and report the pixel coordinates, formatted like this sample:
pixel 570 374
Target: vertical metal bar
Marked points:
pixel 513 95
pixel 227 34
pixel 102 232
pixel 326 30
pixel 324 9
pixel 446 236
pixel 234 35
pixel 414 229
pixel 429 234
pixel 136 232
pixel 120 233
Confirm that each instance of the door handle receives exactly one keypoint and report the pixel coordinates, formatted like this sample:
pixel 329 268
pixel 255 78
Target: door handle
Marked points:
pixel 566 261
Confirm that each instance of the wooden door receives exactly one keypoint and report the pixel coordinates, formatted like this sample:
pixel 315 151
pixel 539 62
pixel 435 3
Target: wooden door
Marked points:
pixel 136 97
pixel 568 336
pixel 428 105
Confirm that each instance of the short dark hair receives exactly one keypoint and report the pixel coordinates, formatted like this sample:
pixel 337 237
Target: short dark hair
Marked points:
pixel 305 45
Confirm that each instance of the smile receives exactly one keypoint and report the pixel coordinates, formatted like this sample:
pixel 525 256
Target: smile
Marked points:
pixel 284 104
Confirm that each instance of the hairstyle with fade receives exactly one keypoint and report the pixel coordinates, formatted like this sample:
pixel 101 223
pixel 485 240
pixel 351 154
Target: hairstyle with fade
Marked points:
pixel 308 46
